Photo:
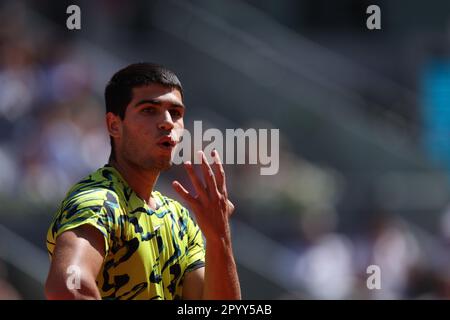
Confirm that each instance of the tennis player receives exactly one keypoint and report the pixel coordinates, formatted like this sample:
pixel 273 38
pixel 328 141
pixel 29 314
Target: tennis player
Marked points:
pixel 115 237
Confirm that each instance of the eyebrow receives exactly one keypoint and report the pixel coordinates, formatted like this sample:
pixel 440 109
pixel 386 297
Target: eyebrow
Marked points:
pixel 159 103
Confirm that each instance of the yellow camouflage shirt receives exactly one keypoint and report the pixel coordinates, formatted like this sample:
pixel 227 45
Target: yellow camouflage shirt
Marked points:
pixel 147 252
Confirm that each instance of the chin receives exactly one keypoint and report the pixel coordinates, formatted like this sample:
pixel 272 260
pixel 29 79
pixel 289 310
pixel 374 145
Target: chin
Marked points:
pixel 166 166
pixel 162 164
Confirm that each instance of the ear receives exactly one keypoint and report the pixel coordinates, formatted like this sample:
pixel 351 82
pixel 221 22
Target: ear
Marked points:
pixel 114 125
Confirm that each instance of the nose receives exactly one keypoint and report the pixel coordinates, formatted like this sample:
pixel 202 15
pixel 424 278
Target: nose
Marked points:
pixel 167 122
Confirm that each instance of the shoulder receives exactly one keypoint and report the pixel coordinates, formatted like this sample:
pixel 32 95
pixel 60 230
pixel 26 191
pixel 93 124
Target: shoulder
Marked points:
pixel 100 182
pixel 93 191
pixel 91 197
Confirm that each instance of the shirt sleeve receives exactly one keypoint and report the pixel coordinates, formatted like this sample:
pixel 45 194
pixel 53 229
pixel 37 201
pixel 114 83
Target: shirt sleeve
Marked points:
pixel 96 208
pixel 196 245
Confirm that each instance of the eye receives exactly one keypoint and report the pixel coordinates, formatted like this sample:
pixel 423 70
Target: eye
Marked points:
pixel 149 110
pixel 175 113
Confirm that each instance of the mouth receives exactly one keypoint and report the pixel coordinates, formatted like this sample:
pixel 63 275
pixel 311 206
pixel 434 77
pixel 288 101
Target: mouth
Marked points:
pixel 167 143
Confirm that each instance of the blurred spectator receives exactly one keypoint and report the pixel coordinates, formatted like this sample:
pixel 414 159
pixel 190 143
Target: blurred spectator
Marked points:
pixel 391 246
pixel 7 291
pixel 325 269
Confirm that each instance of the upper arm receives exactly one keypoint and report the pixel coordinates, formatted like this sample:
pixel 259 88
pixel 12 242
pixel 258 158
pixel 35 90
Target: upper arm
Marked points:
pixel 193 284
pixel 80 249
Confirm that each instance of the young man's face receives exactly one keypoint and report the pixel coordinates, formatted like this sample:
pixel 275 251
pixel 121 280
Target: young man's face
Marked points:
pixel 151 127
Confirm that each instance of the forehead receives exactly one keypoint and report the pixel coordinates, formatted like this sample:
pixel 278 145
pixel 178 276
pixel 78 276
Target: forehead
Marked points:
pixel 156 91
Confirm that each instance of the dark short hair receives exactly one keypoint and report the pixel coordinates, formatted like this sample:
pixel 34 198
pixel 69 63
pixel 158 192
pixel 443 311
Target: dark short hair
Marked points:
pixel 119 90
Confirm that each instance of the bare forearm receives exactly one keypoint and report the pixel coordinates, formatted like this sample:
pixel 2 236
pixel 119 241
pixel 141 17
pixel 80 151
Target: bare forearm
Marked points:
pixel 213 209
pixel 221 278
pixel 60 291
pixel 72 295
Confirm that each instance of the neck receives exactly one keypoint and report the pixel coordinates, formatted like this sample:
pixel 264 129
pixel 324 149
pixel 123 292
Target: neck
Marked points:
pixel 140 180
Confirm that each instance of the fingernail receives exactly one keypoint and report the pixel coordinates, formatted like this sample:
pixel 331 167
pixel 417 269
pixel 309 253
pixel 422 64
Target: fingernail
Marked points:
pixel 188 163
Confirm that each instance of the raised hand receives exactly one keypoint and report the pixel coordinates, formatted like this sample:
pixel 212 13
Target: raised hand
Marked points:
pixel 211 205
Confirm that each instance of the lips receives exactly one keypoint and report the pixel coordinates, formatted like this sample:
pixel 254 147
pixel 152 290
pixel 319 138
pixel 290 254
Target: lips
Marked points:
pixel 167 142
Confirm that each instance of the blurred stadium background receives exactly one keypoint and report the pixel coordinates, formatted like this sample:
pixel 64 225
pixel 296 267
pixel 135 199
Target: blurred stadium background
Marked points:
pixel 364 118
